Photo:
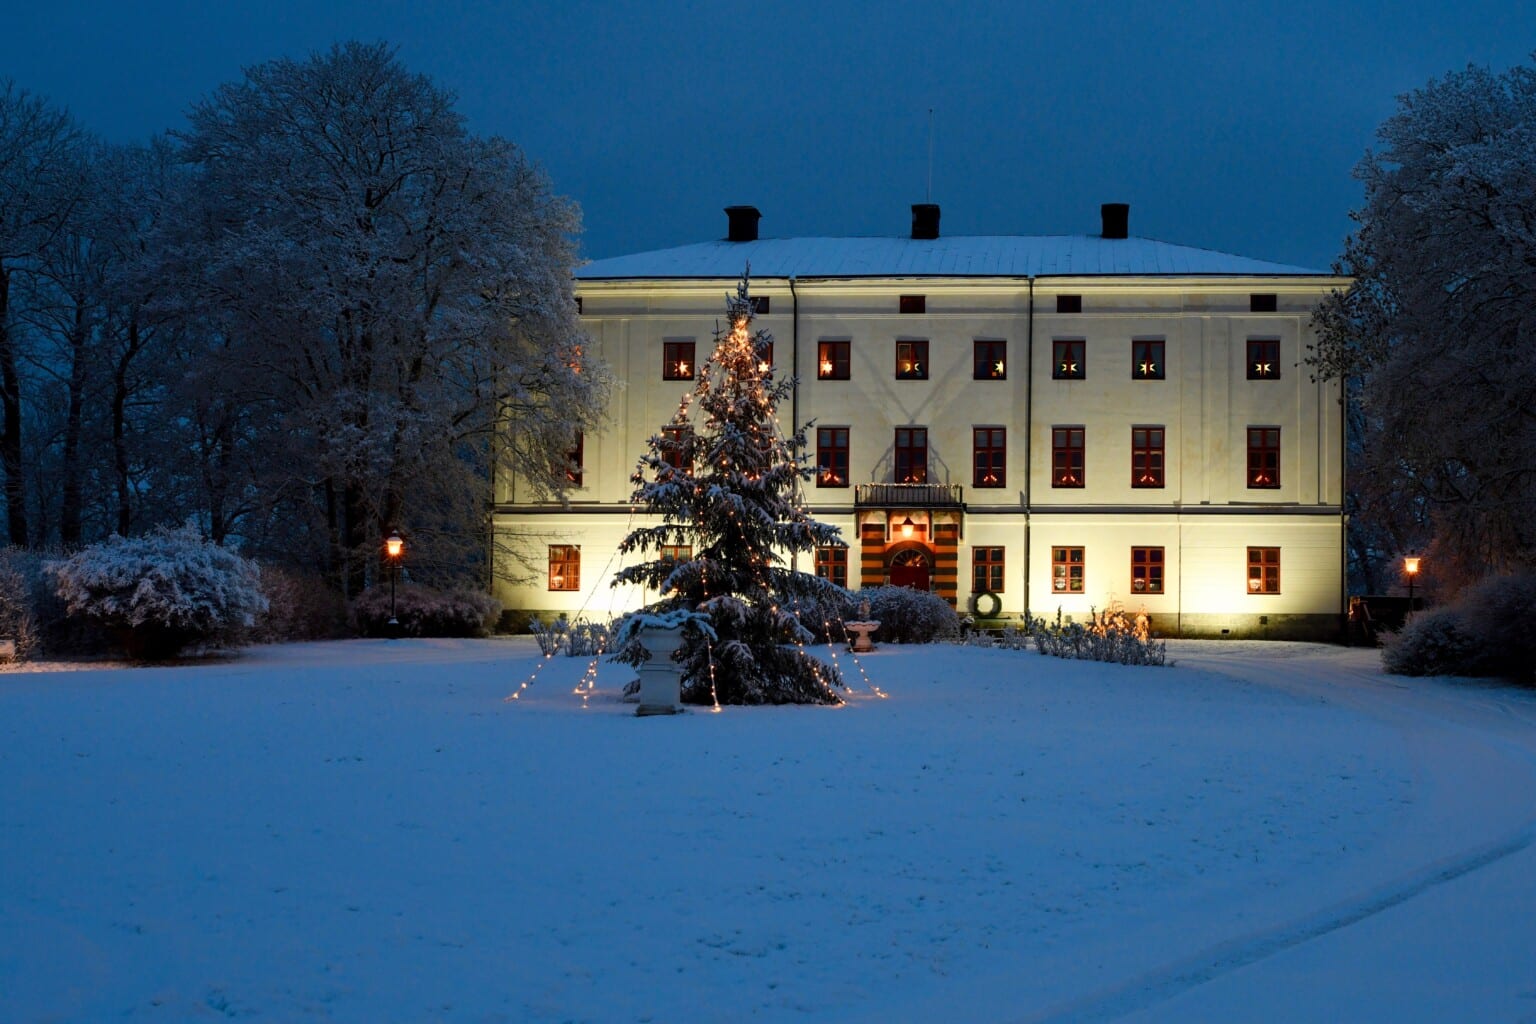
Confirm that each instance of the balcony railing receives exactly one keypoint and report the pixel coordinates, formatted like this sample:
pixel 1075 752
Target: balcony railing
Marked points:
pixel 910 495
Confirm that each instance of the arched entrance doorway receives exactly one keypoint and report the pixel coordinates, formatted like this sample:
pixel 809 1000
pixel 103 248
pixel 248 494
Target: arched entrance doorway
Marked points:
pixel 912 568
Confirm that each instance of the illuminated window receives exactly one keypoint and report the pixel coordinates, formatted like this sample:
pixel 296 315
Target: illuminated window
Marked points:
pixel 578 305
pixel 1263 359
pixel 911 360
pixel 1069 303
pixel 1067 361
pixel 1263 570
pixel 677 360
pixel 1261 303
pixel 564 567
pixel 1147 359
pixel 676 553
pixel 1146 570
pixel 989 456
pixel 987 570
pixel 1066 456
pixel 573 461
pixel 832 360
pixel 831 456
pixel 911 455
pixel 765 356
pixel 832 563
pixel 914 304
pixel 674 448
pixel 1147 456
pixel 1067 570
pixel 991 361
pixel 1264 457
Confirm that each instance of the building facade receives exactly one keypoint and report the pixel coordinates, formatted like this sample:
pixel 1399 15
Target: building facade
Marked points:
pixel 1021 424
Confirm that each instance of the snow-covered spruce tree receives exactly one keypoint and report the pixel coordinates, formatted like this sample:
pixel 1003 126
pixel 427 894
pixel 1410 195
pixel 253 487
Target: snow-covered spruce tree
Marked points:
pixel 724 480
pixel 162 591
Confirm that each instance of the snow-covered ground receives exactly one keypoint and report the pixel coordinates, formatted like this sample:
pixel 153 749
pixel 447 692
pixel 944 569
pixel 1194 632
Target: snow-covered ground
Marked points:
pixel 365 831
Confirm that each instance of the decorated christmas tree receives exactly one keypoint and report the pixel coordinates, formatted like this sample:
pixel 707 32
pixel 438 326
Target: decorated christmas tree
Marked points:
pixel 725 481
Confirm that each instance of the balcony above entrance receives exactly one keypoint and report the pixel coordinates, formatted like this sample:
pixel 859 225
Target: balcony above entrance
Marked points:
pixel 909 496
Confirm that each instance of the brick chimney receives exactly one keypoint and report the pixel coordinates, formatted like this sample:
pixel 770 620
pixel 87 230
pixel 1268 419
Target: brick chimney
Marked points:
pixel 1117 219
pixel 741 223
pixel 925 220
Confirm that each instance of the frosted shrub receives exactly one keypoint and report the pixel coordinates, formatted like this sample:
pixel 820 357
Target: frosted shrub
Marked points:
pixel 908 616
pixel 300 606
pixel 1098 642
pixel 1489 631
pixel 1431 643
pixel 161 592
pixel 18 620
pixel 423 611
pixel 579 639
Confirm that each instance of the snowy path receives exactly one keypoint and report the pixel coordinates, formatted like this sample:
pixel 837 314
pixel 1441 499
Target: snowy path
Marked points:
pixel 364 831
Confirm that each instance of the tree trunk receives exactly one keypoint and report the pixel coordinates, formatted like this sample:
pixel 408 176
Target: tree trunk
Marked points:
pixel 72 497
pixel 120 430
pixel 10 432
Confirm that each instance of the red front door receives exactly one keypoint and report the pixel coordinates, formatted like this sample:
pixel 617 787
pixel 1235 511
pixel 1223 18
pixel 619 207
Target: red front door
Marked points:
pixel 911 569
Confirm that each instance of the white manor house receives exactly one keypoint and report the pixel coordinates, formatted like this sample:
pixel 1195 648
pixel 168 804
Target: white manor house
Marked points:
pixel 1023 424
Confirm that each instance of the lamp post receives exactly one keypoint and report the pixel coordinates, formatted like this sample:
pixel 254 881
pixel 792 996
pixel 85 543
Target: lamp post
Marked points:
pixel 1411 569
pixel 394 548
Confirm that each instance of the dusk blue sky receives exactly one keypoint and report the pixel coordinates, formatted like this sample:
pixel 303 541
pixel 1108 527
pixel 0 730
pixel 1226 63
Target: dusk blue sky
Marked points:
pixel 1226 125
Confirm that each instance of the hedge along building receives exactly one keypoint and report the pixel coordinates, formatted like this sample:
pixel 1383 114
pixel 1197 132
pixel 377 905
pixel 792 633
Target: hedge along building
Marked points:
pixel 1023 424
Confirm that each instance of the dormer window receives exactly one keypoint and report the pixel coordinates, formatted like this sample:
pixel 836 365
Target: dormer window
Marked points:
pixel 1069 303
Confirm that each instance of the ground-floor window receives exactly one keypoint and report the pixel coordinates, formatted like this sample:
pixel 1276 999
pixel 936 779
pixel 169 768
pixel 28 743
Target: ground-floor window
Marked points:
pixel 1263 570
pixel 987 570
pixel 1067 570
pixel 832 564
pixel 564 567
pixel 1147 570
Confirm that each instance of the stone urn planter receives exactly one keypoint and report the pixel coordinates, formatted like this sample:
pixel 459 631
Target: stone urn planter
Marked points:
pixel 661 678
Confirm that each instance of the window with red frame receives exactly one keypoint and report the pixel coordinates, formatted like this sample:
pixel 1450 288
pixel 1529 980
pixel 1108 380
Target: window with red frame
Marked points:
pixel 1068 359
pixel 1146 570
pixel 1263 457
pixel 991 361
pixel 1067 570
pixel 1147 356
pixel 911 360
pixel 676 553
pixel 1263 570
pixel 1147 456
pixel 987 570
pixel 911 455
pixel 564 567
pixel 913 304
pixel 1066 456
pixel 831 456
pixel 989 456
pixel 674 448
pixel 1263 359
pixel 832 564
pixel 677 360
pixel 832 360
pixel 573 461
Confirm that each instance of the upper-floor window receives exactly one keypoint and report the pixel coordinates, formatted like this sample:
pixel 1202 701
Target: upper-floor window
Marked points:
pixel 1263 570
pixel 1067 570
pixel 564 567
pixel 1259 302
pixel 1066 456
pixel 987 570
pixel 1147 457
pixel 914 304
pixel 677 360
pixel 1147 570
pixel 674 448
pixel 578 306
pixel 832 359
pixel 1067 359
pixel 1069 303
pixel 760 304
pixel 765 356
pixel 911 360
pixel 1263 359
pixel 1264 457
pixel 831 456
pixel 1147 355
pixel 989 456
pixel 911 463
pixel 573 461
pixel 991 361
pixel 832 563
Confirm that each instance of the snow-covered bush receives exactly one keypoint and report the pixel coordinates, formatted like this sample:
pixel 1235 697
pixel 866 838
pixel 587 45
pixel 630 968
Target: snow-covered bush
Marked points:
pixel 422 611
pixel 908 616
pixel 18 619
pixel 579 639
pixel 300 606
pixel 1490 630
pixel 162 591
pixel 1098 642
pixel 822 613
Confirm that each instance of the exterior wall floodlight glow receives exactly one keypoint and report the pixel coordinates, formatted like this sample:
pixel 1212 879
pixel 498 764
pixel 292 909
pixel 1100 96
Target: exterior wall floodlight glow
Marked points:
pixel 906 527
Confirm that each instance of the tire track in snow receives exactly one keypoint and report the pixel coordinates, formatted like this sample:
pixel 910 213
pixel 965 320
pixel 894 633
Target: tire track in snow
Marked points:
pixel 1224 958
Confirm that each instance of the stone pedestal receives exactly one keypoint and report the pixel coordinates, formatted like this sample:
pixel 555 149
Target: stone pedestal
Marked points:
pixel 661 678
pixel 858 635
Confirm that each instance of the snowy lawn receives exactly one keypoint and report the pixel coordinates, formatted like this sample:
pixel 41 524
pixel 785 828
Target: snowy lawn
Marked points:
pixel 366 831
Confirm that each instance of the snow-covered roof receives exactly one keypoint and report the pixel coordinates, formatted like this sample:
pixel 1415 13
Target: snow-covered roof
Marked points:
pixel 978 256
